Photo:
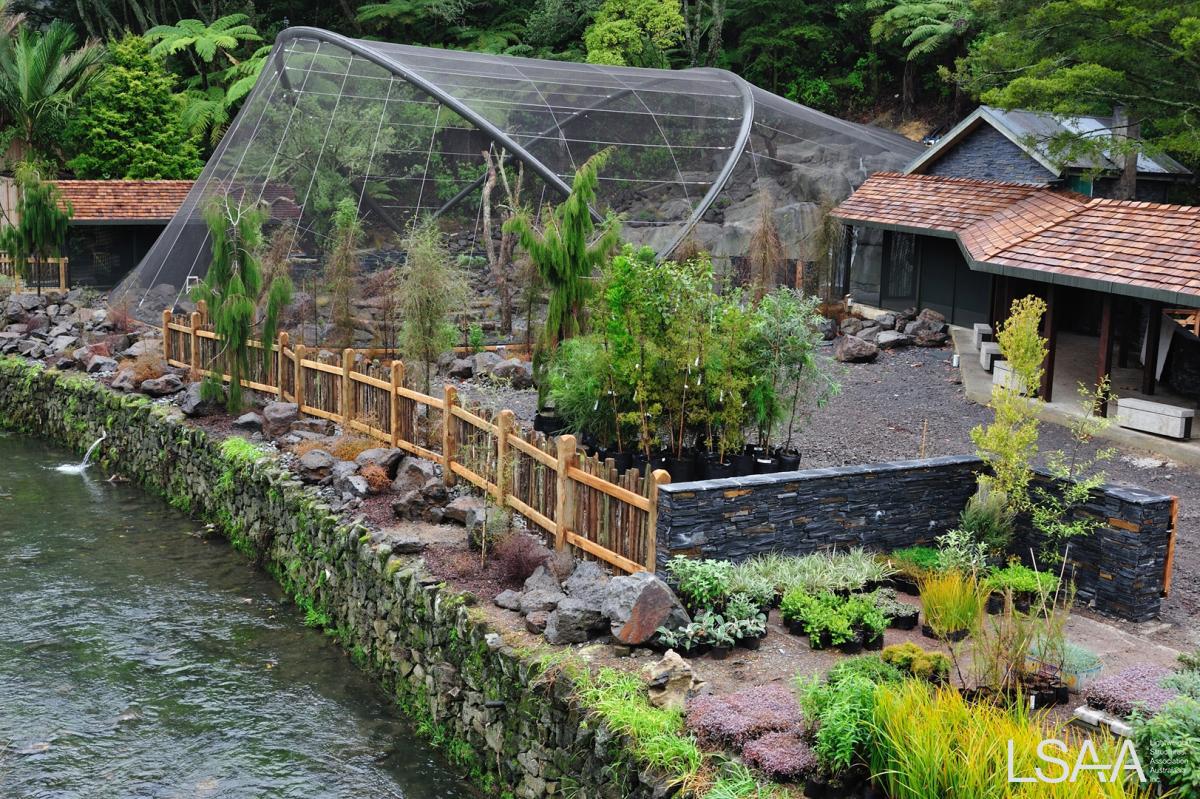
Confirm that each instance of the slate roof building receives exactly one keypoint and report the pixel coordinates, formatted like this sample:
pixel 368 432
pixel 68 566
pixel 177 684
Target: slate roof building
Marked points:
pixel 1026 147
pixel 967 248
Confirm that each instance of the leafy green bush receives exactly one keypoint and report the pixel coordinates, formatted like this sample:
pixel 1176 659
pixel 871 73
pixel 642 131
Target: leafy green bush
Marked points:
pixel 1021 580
pixel 912 659
pixel 915 562
pixel 841 706
pixel 872 667
pixel 1169 744
pixel 702 583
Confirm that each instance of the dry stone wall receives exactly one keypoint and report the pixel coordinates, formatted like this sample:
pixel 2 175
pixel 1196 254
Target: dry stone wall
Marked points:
pixel 493 707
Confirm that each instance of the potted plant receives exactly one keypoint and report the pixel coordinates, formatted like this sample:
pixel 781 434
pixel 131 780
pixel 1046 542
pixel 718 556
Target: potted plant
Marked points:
pixel 1025 585
pixel 900 615
pixel 911 565
pixel 796 608
pixel 703 585
pixel 953 603
pixel 748 620
pixel 722 634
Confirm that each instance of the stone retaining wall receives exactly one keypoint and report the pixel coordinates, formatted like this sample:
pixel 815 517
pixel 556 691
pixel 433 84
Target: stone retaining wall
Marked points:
pixel 479 697
pixel 885 506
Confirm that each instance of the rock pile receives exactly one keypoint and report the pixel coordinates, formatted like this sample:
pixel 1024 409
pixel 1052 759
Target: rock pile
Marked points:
pixel 862 339
pixel 589 604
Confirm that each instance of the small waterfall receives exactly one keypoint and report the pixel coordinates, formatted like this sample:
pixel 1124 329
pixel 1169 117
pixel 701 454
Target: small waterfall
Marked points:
pixel 79 468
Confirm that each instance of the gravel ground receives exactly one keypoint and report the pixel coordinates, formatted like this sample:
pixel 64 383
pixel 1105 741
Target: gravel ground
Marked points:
pixel 911 402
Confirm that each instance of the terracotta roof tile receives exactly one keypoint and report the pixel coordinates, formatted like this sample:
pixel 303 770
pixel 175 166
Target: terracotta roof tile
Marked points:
pixel 1147 245
pixel 124 200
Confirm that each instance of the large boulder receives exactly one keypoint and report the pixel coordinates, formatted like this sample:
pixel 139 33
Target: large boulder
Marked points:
pixel 484 361
pixel 509 600
pixel 461 368
pixel 638 604
pixel 125 380
pixel 851 349
pixel 249 423
pixel 924 326
pixel 467 509
pixel 412 474
pixel 669 682
pixel 827 327
pixel 147 346
pixel 574 621
pixel 384 457
pixel 931 338
pixel 892 339
pixel 193 404
pixel 101 364
pixel 162 386
pixel 517 372
pixel 588 582
pixel 278 417
pixel 315 465
pixel 930 315
pixel 851 325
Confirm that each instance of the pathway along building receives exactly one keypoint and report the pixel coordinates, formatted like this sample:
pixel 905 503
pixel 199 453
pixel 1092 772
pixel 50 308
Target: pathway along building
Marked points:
pixel 1123 271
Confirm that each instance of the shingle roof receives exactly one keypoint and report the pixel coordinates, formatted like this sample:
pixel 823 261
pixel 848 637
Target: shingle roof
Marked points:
pixel 124 200
pixel 1135 248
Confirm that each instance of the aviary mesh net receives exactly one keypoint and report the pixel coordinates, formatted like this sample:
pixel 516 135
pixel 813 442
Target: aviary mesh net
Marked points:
pixel 403 131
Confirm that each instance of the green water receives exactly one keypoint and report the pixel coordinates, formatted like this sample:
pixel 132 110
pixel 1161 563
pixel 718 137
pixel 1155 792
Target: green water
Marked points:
pixel 139 658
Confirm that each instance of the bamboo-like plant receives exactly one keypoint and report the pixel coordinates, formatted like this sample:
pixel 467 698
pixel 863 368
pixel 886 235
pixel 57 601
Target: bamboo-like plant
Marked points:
pixel 237 299
pixel 341 270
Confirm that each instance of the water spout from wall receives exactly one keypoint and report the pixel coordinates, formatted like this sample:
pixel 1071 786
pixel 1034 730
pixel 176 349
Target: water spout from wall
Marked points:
pixel 79 468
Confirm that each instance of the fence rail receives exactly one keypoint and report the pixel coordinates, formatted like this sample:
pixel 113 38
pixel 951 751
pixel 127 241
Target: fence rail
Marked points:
pixel 574 500
pixel 53 273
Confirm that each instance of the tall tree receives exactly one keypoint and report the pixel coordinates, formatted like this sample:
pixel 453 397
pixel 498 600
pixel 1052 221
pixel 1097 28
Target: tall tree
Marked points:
pixel 129 123
pixel 500 254
pixel 239 302
pixel 37 230
pixel 637 33
pixel 429 290
pixel 43 75
pixel 205 46
pixel 341 270
pixel 926 29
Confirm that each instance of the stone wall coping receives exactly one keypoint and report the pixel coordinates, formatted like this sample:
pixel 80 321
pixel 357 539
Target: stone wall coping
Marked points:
pixel 1134 495
pixel 780 478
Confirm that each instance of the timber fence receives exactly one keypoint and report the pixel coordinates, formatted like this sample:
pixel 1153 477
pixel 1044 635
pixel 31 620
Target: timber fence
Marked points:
pixel 576 500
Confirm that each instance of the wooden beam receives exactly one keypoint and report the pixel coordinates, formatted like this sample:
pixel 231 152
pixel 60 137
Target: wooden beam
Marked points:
pixel 1051 334
pixel 1104 363
pixel 1154 314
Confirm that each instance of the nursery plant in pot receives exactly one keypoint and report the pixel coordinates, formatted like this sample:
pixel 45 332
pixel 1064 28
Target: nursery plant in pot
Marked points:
pixel 912 564
pixel 748 621
pixel 869 620
pixel 953 603
pixel 723 637
pixel 900 615
pixel 796 608
pixel 701 584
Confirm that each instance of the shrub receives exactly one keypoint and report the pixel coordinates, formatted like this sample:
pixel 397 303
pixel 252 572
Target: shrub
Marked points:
pixel 915 562
pixel 873 667
pixel 1186 683
pixel 517 556
pixel 953 602
pixel 1169 743
pixel 347 448
pixel 782 756
pixel 376 476
pixel 1137 687
pixel 959 551
pixel 931 742
pixel 306 446
pixel 703 583
pixel 1190 661
pixel 759 589
pixel 737 718
pixel 1022 580
pixel 841 711
pixel 429 291
pixel 988 518
pixel 911 659
pixel 889 604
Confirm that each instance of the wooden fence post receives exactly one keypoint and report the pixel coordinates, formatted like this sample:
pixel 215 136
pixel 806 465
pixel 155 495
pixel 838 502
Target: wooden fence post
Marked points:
pixel 63 281
pixel 279 348
pixel 202 307
pixel 657 478
pixel 195 353
pixel 299 379
pixel 397 382
pixel 166 331
pixel 449 400
pixel 506 422
pixel 347 397
pixel 564 506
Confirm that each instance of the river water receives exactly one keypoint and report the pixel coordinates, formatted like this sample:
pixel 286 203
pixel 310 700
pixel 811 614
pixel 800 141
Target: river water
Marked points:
pixel 139 658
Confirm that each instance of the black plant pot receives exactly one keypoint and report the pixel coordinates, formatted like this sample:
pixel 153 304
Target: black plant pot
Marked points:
pixel 851 647
pixel 715 471
pixel 995 604
pixel 905 622
pixel 743 465
pixel 752 644
pixel 819 641
pixel 765 465
pixel 623 460
pixel 816 788
pixel 906 585
pixel 873 644
pixel 1044 699
pixel 548 423
pixel 1062 694
pixel 789 461
pixel 682 470
pixel 719 652
pixel 1021 602
pixel 795 626
pixel 953 637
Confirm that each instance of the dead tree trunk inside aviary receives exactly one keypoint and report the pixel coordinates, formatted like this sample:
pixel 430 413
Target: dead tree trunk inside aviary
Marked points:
pixel 500 257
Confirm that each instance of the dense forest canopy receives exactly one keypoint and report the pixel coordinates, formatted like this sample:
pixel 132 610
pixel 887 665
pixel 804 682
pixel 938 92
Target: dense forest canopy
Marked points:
pixel 914 65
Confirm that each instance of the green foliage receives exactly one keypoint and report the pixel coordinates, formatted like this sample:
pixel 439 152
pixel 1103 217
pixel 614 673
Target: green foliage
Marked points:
pixel 240 452
pixel 1021 580
pixel 475 340
pixel 959 551
pixel 988 517
pixel 43 75
pixel 429 290
pixel 40 231
pixel 1008 444
pixel 568 250
pixel 953 602
pixel 238 302
pixel 702 583
pixel 341 271
pixel 916 562
pixel 636 33
pixel 908 658
pixel 129 122
pixel 925 27
pixel 203 43
pixel 841 706
pixel 1169 744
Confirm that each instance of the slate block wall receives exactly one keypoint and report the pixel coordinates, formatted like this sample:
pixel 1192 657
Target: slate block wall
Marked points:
pixel 987 154
pixel 885 506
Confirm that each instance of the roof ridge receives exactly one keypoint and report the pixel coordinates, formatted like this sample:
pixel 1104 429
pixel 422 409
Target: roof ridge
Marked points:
pixel 964 181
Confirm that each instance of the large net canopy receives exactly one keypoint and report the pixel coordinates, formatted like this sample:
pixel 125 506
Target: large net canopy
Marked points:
pixel 403 131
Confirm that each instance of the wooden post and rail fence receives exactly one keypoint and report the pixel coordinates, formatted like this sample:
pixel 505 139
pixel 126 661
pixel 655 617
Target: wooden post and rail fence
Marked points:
pixel 576 501
pixel 59 269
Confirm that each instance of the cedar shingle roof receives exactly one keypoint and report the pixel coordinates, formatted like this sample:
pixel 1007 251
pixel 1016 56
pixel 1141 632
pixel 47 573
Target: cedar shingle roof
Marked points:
pixel 124 200
pixel 1125 247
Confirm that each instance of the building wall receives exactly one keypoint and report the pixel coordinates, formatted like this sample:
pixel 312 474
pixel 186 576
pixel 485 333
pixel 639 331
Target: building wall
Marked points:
pixel 987 154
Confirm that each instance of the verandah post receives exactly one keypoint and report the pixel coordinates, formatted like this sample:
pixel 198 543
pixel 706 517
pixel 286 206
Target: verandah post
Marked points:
pixel 564 506
pixel 449 399
pixel 347 397
pixel 279 348
pixel 506 422
pixel 657 478
pixel 394 401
